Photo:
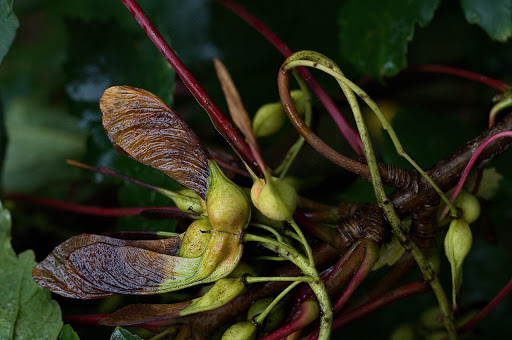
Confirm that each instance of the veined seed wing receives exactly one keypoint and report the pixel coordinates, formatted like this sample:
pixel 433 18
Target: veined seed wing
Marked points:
pixel 93 266
pixel 141 125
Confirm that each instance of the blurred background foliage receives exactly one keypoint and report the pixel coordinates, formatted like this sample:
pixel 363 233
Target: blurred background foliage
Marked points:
pixel 66 53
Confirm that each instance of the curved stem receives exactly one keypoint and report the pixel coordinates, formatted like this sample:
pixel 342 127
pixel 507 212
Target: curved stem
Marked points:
pixel 497 84
pixel 269 229
pixel 317 143
pixel 260 318
pixel 488 308
pixel 346 130
pixel 382 199
pixel 502 104
pixel 290 156
pixel 308 269
pixel 303 241
pixel 470 164
pixel 345 82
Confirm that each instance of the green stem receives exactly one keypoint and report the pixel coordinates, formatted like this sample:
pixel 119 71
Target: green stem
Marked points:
pixel 308 269
pixel 347 85
pixel 502 104
pixel 290 156
pixel 260 318
pixel 268 258
pixel 323 63
pixel 256 279
pixel 303 241
pixel 269 229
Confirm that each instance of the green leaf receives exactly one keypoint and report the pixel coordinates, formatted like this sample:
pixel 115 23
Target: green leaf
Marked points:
pixel 68 333
pixel 40 140
pixel 374 34
pixel 27 312
pixel 122 334
pixel 8 26
pixel 494 16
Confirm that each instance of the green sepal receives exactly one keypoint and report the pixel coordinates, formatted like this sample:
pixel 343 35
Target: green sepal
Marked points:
pixel 223 291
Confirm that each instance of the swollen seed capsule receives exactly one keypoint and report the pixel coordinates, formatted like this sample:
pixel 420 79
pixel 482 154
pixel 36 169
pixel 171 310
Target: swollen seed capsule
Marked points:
pixel 276 200
pixel 227 206
pixel 298 101
pixel 244 330
pixel 268 119
pixel 457 243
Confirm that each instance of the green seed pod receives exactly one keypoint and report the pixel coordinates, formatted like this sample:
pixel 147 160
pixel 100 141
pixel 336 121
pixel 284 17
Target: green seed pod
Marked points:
pixel 273 319
pixel 298 101
pixel 457 243
pixel 227 206
pixel 271 117
pixel 276 200
pixel 470 206
pixel 404 331
pixel 196 238
pixel 243 268
pixel 244 330
pixel 429 319
pixel 268 119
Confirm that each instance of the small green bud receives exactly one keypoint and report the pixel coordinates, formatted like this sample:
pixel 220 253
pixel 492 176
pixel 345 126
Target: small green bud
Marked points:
pixel 244 330
pixel 430 320
pixel 470 206
pixel 404 331
pixel 271 117
pixel 457 243
pixel 268 119
pixel 276 200
pixel 273 319
pixel 298 101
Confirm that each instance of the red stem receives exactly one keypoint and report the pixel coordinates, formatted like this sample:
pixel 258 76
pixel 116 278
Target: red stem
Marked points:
pixel 82 209
pixel 470 164
pixel 304 318
pixel 220 121
pixel 487 309
pixel 497 84
pixel 93 320
pixel 348 132
pixel 410 289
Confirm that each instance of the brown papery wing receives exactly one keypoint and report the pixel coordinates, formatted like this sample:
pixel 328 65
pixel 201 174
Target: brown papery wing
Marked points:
pixel 94 266
pixel 144 127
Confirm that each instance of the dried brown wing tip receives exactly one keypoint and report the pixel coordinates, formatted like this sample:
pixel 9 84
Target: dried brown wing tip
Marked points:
pixel 141 313
pixel 141 125
pixel 93 266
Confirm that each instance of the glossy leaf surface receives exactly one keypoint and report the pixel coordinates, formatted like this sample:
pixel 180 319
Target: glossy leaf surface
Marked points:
pixel 374 34
pixel 494 16
pixel 149 131
pixel 26 310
